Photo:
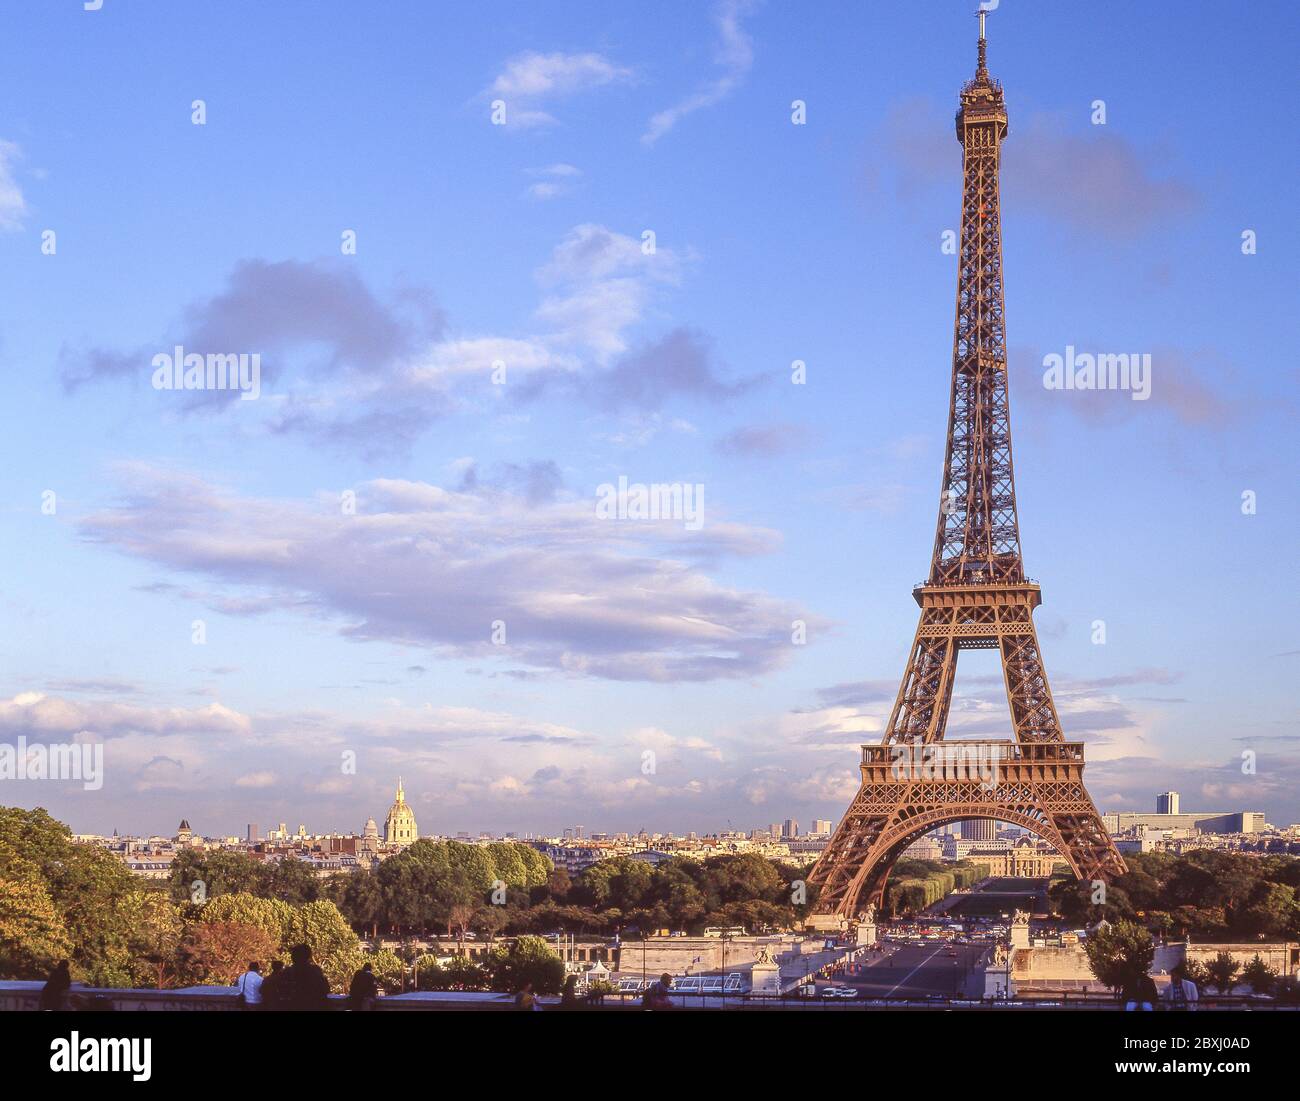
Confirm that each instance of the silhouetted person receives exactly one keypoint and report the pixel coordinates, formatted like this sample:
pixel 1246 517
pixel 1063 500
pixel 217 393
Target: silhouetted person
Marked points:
pixel 54 994
pixel 364 990
pixel 306 987
pixel 1139 994
pixel 656 997
pixel 273 990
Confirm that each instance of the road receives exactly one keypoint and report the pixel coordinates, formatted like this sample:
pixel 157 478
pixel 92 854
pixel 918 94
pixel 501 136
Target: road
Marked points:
pixel 913 971
pixel 1002 896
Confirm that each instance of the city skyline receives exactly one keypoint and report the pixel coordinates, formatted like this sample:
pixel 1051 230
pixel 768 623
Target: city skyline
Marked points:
pixel 267 609
pixel 254 831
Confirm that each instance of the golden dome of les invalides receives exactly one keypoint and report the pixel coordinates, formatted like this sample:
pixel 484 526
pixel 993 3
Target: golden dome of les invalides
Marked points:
pixel 399 826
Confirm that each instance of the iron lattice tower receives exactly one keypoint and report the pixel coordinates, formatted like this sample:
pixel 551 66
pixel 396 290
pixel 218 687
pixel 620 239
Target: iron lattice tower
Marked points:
pixel 976 597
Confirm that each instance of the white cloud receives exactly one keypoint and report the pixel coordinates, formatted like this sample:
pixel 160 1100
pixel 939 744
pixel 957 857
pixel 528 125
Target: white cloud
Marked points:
pixel 556 180
pixel 599 284
pixel 37 715
pixel 530 79
pixel 582 596
pixel 256 780
pixel 735 56
pixel 13 208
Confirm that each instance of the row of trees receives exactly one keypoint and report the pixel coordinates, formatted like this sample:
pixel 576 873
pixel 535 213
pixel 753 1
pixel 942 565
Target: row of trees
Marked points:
pixel 916 884
pixel 428 888
pixel 1123 953
pixel 60 899
pixel 1203 894
pixel 63 900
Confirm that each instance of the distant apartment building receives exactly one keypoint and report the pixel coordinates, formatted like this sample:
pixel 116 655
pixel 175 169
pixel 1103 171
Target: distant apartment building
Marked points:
pixel 790 829
pixel 572 858
pixel 959 848
pixel 1167 802
pixel 1242 821
pixel 925 848
pixel 979 829
pixel 155 866
pixel 822 827
pixel 804 848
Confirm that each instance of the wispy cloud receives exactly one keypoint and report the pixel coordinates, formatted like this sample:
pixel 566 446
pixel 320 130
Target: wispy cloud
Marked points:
pixel 1098 182
pixel 13 207
pixel 530 80
pixel 1186 387
pixel 555 180
pixel 427 566
pixel 369 373
pixel 735 57
pixel 762 440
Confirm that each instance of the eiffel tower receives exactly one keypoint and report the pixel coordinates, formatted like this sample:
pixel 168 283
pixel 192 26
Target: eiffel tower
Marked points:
pixel 976 597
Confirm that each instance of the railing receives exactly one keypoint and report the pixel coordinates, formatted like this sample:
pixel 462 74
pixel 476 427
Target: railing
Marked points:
pixel 25 996
pixel 986 584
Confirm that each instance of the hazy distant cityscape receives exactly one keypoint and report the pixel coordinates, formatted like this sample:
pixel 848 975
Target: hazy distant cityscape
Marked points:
pixel 1011 850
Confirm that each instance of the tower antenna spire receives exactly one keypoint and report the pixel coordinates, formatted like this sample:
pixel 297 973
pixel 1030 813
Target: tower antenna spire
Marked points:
pixel 982 67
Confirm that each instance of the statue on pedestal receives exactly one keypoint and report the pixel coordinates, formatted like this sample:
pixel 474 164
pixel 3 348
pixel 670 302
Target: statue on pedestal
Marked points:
pixel 765 976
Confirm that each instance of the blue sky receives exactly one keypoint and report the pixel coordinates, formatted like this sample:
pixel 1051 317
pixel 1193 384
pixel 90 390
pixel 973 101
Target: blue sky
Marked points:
pixel 369 632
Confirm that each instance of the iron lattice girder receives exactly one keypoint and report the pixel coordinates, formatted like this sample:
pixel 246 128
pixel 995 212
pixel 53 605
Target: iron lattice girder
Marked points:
pixel 977 597
pixel 983 616
pixel 1036 786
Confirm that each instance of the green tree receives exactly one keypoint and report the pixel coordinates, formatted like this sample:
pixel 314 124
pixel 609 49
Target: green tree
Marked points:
pixel 621 882
pixel 457 973
pixel 221 950
pixel 1271 911
pixel 220 872
pixel 360 896
pixel 1193 970
pixel 475 862
pixel 155 953
pixel 84 882
pixel 528 959
pixel 1261 977
pixel 537 867
pixel 333 944
pixel 270 915
pixel 508 863
pixel 491 920
pixel 388 969
pixel 32 935
pixel 290 880
pixel 1120 955
pixel 1222 972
